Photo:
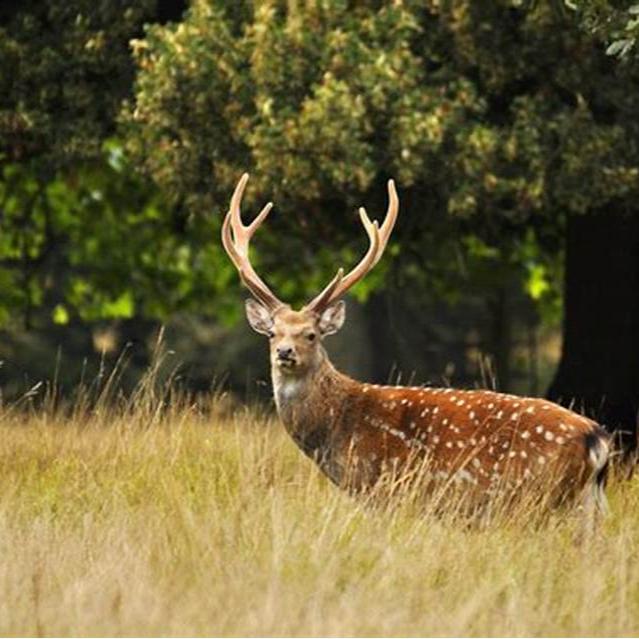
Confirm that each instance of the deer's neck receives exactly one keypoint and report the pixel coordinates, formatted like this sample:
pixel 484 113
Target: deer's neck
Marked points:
pixel 311 407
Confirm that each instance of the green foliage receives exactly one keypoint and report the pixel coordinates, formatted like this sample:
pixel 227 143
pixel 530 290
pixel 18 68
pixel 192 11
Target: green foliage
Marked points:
pixel 61 204
pixel 615 23
pixel 497 119
pixel 70 68
pixel 98 243
pixel 81 235
pixel 319 103
pixel 491 112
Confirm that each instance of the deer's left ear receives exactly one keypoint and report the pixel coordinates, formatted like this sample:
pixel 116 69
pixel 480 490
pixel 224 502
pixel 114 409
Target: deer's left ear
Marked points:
pixel 332 319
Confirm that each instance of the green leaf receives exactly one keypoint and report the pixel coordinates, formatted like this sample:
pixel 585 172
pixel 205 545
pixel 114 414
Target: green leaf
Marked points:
pixel 537 283
pixel 620 47
pixel 60 315
pixel 122 307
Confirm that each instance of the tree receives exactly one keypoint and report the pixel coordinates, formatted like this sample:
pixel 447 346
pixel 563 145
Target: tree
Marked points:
pixel 80 234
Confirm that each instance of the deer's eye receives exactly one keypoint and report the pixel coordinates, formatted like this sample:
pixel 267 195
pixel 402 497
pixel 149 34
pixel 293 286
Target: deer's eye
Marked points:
pixel 270 334
pixel 310 337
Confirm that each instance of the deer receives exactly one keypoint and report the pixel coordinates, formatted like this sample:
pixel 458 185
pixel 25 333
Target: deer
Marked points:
pixel 356 431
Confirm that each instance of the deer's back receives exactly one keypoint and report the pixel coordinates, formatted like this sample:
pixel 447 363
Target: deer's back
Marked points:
pixel 481 437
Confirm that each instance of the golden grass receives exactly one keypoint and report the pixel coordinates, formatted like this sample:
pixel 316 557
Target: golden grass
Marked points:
pixel 182 520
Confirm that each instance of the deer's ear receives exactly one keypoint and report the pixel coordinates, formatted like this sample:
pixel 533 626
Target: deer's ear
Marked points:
pixel 332 319
pixel 259 317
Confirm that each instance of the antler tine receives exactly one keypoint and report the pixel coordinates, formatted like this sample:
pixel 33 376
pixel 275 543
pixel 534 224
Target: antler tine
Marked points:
pixel 378 240
pixel 389 220
pixel 236 238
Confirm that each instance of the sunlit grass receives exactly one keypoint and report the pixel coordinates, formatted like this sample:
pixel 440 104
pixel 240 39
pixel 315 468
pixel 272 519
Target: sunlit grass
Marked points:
pixel 157 517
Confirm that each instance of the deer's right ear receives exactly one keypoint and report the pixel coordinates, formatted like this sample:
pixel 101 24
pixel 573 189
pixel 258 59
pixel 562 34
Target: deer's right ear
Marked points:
pixel 332 319
pixel 259 317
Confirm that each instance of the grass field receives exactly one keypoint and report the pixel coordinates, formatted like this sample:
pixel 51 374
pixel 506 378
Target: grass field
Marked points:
pixel 206 520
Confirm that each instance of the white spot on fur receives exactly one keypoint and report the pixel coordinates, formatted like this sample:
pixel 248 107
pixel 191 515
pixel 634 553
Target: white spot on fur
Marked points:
pixel 463 475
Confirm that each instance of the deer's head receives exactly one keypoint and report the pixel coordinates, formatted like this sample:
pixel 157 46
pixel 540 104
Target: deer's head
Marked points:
pixel 296 336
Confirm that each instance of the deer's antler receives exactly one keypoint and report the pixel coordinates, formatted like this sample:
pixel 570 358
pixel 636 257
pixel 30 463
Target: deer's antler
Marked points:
pixel 236 238
pixel 378 238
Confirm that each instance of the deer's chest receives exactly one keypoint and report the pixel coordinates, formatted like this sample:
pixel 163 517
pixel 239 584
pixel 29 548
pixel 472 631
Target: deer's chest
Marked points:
pixel 312 425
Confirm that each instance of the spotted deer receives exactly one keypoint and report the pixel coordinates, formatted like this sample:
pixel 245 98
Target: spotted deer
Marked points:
pixel 356 431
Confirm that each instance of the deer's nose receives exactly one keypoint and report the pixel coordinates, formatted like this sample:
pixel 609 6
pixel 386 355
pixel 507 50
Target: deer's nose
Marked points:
pixel 284 352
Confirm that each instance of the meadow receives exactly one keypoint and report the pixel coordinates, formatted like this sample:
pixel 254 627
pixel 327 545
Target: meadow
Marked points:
pixel 162 516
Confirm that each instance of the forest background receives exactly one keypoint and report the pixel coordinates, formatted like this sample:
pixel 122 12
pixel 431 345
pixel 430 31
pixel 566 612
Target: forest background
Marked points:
pixel 510 127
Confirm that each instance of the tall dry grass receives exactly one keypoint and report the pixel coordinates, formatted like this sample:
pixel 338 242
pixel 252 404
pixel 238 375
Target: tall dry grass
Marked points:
pixel 154 516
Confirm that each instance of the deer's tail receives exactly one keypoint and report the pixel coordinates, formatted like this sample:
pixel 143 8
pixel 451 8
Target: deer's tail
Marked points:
pixel 598 448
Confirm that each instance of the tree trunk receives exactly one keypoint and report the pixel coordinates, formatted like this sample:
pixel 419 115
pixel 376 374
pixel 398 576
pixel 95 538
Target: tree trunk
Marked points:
pixel 381 337
pixel 501 338
pixel 599 368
